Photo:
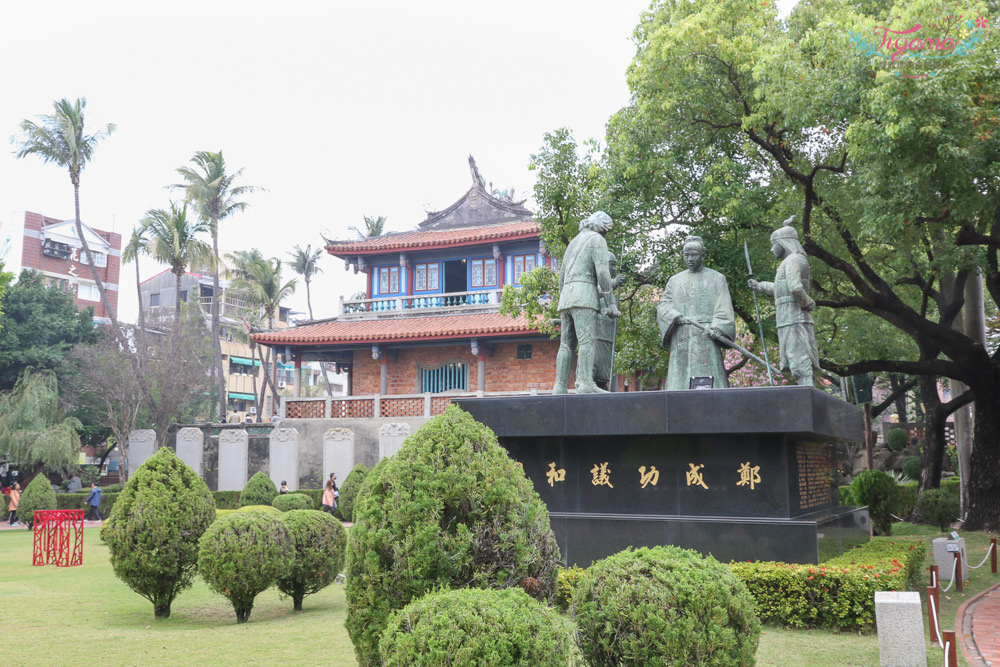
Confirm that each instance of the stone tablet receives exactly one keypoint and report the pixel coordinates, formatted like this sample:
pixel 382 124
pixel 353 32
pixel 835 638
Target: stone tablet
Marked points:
pixel 233 446
pixel 338 452
pixel 141 447
pixel 191 447
pixel 284 456
pixel 390 439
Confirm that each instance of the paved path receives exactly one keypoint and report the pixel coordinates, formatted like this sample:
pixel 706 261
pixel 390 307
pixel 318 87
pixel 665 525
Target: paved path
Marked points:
pixel 980 622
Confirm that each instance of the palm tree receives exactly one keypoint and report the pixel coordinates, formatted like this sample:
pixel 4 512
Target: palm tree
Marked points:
pixel 306 264
pixel 260 279
pixel 373 227
pixel 130 253
pixel 60 138
pixel 171 238
pixel 210 189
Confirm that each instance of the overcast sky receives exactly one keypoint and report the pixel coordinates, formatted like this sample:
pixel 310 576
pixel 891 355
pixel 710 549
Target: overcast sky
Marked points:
pixel 338 109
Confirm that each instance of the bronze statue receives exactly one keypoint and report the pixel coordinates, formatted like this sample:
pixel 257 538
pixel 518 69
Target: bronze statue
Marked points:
pixel 584 284
pixel 792 304
pixel 695 316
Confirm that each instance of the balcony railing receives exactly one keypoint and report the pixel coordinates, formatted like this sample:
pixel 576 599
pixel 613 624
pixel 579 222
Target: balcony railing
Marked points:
pixel 397 305
pixel 382 406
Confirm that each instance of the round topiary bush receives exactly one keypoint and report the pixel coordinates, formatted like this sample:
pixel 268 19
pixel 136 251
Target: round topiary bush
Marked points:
pixel 897 439
pixel 477 627
pixel 349 491
pixel 242 554
pixel 937 507
pixel 877 490
pixel 318 556
pixel 38 495
pixel 912 466
pixel 154 526
pixel 260 490
pixel 664 606
pixel 449 510
pixel 292 501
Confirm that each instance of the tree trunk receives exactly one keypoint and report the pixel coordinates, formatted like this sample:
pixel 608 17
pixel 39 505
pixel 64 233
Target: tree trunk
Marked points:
pixel 984 469
pixel 88 256
pixel 253 373
pixel 895 382
pixel 138 292
pixel 309 298
pixel 297 602
pixel 216 332
pixel 934 439
pixel 177 302
pixel 243 614
pixel 161 610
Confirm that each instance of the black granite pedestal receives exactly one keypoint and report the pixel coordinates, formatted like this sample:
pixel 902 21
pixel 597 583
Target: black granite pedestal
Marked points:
pixel 743 474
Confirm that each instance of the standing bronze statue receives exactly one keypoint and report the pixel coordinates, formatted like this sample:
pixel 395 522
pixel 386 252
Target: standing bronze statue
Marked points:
pixel 792 304
pixel 584 285
pixel 695 316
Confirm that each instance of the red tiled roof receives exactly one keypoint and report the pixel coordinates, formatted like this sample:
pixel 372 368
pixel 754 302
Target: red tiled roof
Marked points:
pixel 404 329
pixel 437 238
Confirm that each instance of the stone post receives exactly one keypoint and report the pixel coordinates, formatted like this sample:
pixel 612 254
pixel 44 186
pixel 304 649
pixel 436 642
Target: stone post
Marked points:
pixel 233 451
pixel 900 627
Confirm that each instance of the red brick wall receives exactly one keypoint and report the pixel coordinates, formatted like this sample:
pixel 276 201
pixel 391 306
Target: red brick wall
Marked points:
pixel 32 258
pixel 504 371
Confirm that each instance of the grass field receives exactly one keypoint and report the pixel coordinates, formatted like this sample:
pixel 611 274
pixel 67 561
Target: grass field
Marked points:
pixel 56 616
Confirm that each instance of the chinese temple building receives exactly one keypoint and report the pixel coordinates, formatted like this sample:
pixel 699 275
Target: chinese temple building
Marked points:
pixel 429 329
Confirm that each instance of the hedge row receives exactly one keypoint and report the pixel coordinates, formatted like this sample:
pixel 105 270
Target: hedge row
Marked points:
pixel 906 495
pixel 838 594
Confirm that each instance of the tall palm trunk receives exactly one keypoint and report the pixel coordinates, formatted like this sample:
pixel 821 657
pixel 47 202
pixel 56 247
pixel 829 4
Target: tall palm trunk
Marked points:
pixel 177 298
pixel 138 292
pixel 309 297
pixel 109 311
pixel 216 328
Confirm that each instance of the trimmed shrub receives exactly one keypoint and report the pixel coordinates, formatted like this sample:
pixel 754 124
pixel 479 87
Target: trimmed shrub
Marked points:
pixel 75 501
pixel 449 510
pixel 227 500
pixel 912 466
pixel 937 507
pixel 349 491
pixel 260 490
pixel 154 526
pixel 477 627
pixel 897 439
pixel 664 605
pixel 566 580
pixel 38 495
pixel 243 554
pixel 878 491
pixel 844 495
pixel 318 555
pixel 292 501
pixel 906 499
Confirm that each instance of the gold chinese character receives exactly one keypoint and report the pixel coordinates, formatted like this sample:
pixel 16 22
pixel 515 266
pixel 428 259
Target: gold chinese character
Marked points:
pixel 601 475
pixel 694 475
pixel 651 477
pixel 748 475
pixel 555 475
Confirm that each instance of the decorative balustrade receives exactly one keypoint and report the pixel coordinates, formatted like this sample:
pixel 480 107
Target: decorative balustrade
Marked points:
pixel 411 302
pixel 380 406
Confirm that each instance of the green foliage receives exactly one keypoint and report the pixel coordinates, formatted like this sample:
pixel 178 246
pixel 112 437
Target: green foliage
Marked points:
pixel 242 554
pixel 38 495
pixel 664 605
pixel 937 507
pixel 259 509
pixel 227 500
pixel 292 501
pixel 912 466
pixel 566 580
pixel 844 495
pixel 476 627
pixel 878 491
pixel 451 510
pixel 34 430
pixel 897 439
pixel 260 490
pixel 320 543
pixel 836 595
pixel 906 498
pixel 75 501
pixel 38 328
pixel 349 491
pixel 153 528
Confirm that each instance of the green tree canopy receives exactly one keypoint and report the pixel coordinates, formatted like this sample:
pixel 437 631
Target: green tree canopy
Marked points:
pixel 172 238
pixel 38 327
pixel 35 432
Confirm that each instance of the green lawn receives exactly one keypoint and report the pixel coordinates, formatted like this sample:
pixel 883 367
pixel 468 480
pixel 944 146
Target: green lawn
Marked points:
pixel 60 615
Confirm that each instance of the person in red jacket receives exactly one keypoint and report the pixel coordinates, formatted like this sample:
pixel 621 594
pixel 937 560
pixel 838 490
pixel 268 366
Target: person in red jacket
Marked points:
pixel 15 498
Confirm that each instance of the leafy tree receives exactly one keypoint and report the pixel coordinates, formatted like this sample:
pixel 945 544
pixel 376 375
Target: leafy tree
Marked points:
pixel 171 238
pixel 210 188
pixel 243 554
pixel 38 327
pixel 38 495
pixel 306 264
pixel 154 527
pixel 35 432
pixel 374 226
pixel 60 138
pixel 738 120
pixel 317 557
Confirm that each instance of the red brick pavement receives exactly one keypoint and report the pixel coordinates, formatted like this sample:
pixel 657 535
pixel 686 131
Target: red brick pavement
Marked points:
pixel 980 622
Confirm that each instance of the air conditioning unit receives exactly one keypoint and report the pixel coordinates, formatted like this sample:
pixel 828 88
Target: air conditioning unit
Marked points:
pixel 281 384
pixel 252 409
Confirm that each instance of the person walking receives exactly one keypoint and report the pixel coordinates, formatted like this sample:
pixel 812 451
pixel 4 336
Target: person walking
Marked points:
pixel 329 501
pixel 15 498
pixel 94 501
